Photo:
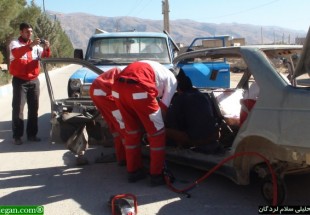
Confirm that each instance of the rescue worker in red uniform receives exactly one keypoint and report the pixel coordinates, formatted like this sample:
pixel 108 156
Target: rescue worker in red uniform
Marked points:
pixel 100 92
pixel 142 92
pixel 25 69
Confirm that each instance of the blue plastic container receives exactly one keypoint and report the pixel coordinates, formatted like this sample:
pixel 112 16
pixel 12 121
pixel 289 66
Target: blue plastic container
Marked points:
pixel 208 75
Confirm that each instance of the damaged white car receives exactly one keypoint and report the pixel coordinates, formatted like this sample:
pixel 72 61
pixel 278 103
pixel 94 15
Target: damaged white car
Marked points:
pixel 263 116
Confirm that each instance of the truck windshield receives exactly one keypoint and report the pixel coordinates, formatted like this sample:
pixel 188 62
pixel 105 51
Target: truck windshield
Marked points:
pixel 128 49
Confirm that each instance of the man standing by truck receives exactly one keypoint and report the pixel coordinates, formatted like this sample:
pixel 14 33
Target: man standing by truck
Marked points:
pixel 143 91
pixel 25 68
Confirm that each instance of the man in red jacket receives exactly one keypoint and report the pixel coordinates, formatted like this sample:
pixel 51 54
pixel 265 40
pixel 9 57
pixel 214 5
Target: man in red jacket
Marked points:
pixel 100 92
pixel 142 92
pixel 25 68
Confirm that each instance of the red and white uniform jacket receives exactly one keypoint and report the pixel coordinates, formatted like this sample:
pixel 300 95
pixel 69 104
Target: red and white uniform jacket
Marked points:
pixel 159 82
pixel 24 60
pixel 104 83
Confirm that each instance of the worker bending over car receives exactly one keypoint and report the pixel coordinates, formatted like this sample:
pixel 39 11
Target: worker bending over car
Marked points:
pixel 142 92
pixel 190 122
pixel 100 93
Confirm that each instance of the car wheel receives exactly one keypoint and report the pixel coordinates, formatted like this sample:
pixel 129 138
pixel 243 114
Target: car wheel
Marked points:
pixel 267 191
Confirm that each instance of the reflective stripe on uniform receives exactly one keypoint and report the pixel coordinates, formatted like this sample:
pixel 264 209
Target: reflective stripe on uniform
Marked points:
pixel 157 133
pixel 137 96
pixel 99 92
pixel 134 131
pixel 115 134
pixel 157 148
pixel 117 115
pixel 132 146
pixel 157 119
pixel 115 94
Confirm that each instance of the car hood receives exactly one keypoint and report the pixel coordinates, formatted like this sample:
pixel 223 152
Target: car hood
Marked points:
pixel 303 65
pixel 89 76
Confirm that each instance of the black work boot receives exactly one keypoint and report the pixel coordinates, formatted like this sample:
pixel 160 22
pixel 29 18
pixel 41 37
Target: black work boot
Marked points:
pixel 34 139
pixel 136 175
pixel 17 141
pixel 122 163
pixel 157 180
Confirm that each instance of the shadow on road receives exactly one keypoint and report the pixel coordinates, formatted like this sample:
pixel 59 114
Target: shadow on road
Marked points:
pixel 64 188
pixel 56 184
pixel 91 186
pixel 44 128
pixel 61 188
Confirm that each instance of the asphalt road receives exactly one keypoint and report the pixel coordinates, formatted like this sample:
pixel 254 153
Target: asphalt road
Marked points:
pixel 46 174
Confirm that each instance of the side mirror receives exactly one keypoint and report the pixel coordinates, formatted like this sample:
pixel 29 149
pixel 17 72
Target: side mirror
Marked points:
pixel 78 53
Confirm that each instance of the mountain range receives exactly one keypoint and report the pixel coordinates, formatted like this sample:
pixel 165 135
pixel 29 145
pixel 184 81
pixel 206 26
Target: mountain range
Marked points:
pixel 80 26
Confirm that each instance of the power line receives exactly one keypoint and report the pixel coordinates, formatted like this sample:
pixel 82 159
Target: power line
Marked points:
pixel 144 7
pixel 244 11
pixel 135 6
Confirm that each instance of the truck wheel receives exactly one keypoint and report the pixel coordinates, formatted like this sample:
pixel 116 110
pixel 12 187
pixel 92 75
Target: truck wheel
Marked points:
pixel 267 191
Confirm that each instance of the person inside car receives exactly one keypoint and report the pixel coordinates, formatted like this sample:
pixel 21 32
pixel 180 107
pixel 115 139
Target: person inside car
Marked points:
pixel 190 122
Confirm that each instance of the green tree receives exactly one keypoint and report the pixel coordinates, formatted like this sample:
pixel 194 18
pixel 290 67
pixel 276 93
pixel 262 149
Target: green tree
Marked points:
pixel 9 11
pixel 14 12
pixel 62 47
pixel 29 14
pixel 66 46
pixel 45 29
pixel 51 30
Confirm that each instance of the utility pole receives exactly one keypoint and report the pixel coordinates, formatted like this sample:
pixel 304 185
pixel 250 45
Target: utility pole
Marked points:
pixel 43 6
pixel 165 12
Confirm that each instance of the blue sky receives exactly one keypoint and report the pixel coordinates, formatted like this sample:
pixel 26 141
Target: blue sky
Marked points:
pixel 292 14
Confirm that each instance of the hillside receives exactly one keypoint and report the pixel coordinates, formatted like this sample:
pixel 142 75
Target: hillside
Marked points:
pixel 80 26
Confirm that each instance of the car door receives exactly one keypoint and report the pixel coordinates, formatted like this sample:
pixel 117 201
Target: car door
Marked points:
pixel 73 120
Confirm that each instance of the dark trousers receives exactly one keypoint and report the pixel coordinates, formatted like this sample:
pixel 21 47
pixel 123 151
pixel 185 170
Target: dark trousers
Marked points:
pixel 25 91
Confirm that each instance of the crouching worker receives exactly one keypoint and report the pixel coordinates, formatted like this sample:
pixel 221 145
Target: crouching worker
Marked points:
pixel 190 122
pixel 137 91
pixel 100 93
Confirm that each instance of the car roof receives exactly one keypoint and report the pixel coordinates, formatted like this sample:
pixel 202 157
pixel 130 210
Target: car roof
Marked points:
pixel 234 51
pixel 130 34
